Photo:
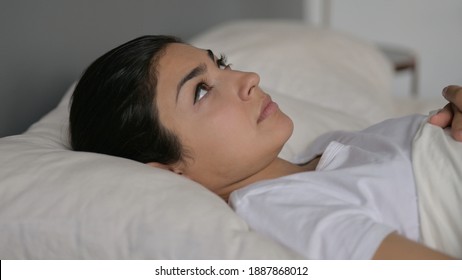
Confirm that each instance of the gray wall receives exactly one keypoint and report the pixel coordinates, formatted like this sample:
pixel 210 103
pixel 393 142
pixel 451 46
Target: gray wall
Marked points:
pixel 45 45
pixel 429 28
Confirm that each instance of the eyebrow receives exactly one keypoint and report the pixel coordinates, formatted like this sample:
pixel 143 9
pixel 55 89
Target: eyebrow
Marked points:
pixel 211 55
pixel 199 70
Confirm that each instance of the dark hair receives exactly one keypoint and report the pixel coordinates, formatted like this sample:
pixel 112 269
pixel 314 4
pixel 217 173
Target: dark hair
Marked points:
pixel 113 109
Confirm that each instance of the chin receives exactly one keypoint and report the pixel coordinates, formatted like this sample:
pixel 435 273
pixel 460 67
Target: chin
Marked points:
pixel 289 126
pixel 282 134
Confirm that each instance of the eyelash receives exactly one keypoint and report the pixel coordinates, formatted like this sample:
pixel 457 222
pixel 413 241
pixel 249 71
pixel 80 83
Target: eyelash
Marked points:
pixel 203 85
pixel 221 62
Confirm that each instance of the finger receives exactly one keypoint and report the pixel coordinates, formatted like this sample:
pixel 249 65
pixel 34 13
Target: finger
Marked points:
pixel 453 94
pixel 443 118
pixel 456 126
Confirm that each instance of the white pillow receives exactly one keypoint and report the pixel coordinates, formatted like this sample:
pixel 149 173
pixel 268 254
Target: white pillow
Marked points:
pixel 61 204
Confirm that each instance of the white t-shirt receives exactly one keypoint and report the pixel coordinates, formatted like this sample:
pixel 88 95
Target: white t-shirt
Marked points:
pixel 362 190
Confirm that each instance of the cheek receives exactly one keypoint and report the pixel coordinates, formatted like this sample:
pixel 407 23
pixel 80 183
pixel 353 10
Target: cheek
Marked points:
pixel 227 129
pixel 218 135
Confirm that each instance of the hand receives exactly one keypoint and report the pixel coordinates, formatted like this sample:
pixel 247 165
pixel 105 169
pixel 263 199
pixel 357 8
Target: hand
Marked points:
pixel 451 114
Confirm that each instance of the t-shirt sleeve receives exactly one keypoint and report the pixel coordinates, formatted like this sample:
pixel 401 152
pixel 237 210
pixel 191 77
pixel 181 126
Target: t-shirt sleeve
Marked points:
pixel 330 229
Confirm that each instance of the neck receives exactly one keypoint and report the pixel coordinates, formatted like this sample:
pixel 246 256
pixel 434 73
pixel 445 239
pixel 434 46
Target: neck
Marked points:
pixel 277 168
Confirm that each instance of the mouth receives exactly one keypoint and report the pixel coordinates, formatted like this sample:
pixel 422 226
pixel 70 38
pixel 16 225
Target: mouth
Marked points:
pixel 268 108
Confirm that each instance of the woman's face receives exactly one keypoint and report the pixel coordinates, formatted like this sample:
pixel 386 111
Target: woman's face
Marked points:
pixel 229 127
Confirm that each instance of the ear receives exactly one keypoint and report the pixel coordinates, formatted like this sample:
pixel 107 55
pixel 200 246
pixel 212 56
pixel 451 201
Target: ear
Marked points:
pixel 165 167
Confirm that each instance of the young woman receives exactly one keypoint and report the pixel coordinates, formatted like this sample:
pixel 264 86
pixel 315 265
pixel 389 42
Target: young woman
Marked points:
pixel 170 105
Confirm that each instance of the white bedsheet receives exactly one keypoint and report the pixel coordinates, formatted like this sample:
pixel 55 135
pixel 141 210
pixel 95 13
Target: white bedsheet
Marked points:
pixel 437 162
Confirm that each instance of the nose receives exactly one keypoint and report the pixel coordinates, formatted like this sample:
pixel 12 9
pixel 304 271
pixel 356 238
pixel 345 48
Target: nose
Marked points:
pixel 247 84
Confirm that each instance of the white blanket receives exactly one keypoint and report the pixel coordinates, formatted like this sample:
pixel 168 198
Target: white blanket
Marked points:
pixel 437 161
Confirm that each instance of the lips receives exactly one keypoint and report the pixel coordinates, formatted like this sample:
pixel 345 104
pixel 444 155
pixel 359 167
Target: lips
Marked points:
pixel 268 108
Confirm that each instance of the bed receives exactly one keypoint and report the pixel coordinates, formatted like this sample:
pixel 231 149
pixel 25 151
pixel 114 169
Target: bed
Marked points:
pixel 59 204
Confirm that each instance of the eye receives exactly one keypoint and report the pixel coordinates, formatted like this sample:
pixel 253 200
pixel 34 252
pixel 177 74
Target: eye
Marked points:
pixel 201 90
pixel 222 62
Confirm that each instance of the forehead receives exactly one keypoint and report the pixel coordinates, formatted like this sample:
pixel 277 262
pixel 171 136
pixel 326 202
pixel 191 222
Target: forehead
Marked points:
pixel 177 54
pixel 177 60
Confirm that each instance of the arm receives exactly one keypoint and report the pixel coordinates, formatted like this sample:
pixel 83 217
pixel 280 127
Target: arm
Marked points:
pixel 451 114
pixel 397 247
